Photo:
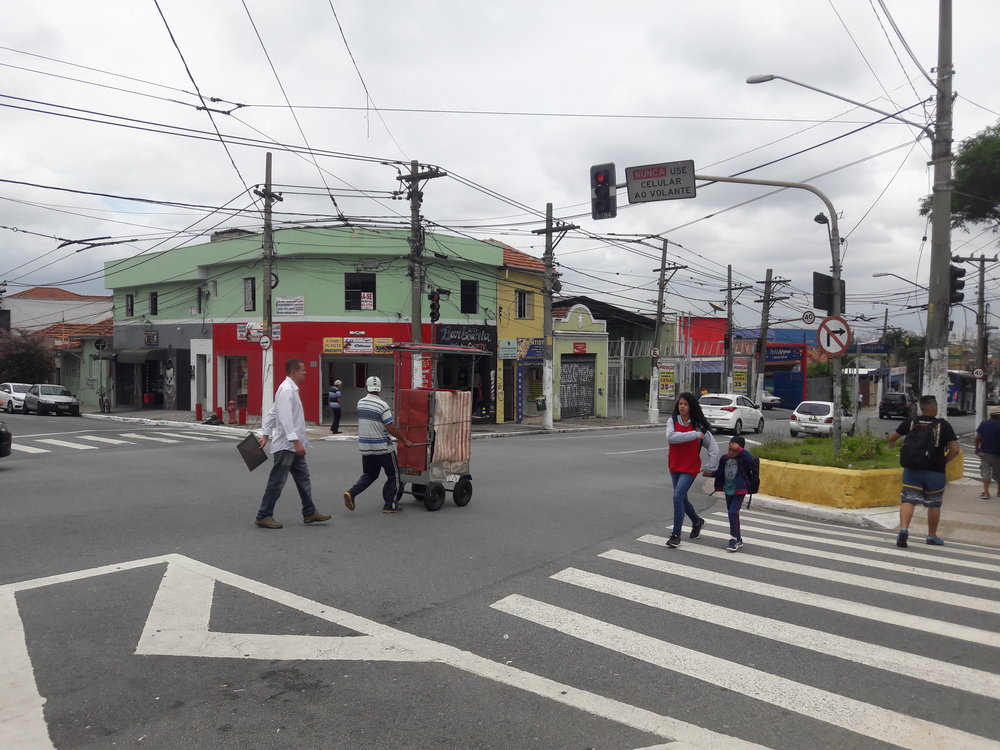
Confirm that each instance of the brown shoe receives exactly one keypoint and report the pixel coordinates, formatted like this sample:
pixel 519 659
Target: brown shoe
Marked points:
pixel 268 523
pixel 349 501
pixel 316 518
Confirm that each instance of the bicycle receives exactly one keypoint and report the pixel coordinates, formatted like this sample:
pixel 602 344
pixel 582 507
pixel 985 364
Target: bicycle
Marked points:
pixel 105 402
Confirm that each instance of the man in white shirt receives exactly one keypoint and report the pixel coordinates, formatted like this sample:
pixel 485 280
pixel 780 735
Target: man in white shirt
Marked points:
pixel 285 424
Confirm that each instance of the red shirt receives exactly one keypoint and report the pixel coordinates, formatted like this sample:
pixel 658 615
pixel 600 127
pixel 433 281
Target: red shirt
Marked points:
pixel 684 458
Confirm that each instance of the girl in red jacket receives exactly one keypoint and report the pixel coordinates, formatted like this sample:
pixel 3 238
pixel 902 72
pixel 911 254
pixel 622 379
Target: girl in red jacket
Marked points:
pixel 687 432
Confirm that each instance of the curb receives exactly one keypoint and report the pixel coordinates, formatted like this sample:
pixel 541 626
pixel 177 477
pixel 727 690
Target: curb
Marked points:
pixel 879 519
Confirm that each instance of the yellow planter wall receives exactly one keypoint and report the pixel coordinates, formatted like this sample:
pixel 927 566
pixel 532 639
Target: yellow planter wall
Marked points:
pixel 838 488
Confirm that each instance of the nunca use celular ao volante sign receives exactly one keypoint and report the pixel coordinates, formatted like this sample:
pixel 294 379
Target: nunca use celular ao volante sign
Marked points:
pixel 660 182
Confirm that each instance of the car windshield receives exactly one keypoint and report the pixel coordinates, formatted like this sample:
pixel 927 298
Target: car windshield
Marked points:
pixel 55 390
pixel 714 401
pixel 19 387
pixel 814 408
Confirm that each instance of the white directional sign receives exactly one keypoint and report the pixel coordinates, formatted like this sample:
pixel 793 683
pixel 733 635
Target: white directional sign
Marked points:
pixel 660 182
pixel 833 335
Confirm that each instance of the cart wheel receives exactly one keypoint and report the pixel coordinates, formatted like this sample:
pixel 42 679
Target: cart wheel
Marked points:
pixel 418 491
pixel 434 496
pixel 462 493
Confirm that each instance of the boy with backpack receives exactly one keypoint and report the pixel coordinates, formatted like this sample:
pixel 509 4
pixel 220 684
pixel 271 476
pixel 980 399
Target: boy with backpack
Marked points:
pixel 737 476
pixel 930 444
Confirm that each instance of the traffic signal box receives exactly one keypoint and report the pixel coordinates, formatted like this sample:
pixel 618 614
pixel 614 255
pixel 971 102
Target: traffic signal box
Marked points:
pixel 435 300
pixel 603 200
pixel 955 284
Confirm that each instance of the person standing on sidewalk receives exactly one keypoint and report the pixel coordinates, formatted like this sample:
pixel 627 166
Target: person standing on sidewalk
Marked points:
pixel 988 450
pixel 930 444
pixel 333 400
pixel 375 433
pixel 285 424
pixel 687 432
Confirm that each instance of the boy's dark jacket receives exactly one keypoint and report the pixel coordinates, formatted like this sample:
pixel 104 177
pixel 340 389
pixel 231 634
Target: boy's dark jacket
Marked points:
pixel 746 460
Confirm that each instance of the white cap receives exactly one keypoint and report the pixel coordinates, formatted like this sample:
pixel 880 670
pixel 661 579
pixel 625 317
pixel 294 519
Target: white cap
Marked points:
pixel 374 384
pixel 338 382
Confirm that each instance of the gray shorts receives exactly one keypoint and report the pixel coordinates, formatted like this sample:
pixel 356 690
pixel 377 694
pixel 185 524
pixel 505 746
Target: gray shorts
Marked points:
pixel 989 467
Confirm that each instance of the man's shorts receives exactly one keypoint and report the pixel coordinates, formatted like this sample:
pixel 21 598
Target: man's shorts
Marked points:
pixel 989 467
pixel 921 487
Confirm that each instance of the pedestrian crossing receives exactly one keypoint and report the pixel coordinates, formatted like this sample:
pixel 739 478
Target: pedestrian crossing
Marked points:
pixel 31 445
pixel 906 641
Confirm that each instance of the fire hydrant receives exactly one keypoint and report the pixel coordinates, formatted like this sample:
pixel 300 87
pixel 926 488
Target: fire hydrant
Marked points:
pixel 231 409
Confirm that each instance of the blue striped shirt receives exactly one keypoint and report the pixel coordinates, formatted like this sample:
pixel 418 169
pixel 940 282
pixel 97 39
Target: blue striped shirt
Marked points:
pixel 373 416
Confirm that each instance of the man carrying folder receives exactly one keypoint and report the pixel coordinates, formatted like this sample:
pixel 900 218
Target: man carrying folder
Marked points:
pixel 285 424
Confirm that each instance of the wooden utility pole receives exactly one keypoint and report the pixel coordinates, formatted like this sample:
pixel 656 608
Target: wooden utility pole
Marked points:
pixel 727 345
pixel 765 313
pixel 653 411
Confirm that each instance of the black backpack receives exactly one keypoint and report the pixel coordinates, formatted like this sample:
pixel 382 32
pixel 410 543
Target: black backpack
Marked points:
pixel 921 445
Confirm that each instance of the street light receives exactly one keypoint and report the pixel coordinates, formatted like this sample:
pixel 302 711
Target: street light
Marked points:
pixel 925 129
pixel 886 273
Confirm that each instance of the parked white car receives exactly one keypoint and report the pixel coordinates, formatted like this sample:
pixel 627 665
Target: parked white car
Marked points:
pixel 12 396
pixel 731 412
pixel 769 400
pixel 816 418
pixel 44 398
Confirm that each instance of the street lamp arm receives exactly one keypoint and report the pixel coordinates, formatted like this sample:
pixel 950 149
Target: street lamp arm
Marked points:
pixel 926 129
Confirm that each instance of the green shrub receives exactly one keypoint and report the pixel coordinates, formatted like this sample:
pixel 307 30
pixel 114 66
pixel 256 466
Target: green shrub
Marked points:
pixel 861 447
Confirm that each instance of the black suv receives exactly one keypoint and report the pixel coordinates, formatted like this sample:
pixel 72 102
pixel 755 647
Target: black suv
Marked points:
pixel 895 404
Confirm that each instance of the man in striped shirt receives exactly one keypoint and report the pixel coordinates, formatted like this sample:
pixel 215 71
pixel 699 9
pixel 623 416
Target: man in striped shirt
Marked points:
pixel 375 433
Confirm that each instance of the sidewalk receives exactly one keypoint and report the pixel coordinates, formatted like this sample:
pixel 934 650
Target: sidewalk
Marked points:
pixel 964 517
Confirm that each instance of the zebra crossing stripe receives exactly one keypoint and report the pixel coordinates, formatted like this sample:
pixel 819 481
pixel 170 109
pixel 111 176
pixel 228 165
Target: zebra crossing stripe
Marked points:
pixel 829 574
pixel 809 599
pixel 871 548
pixel 138 436
pixel 28 448
pixel 937 553
pixel 882 724
pixel 67 444
pixel 186 436
pixel 881 565
pixel 109 441
pixel 868 654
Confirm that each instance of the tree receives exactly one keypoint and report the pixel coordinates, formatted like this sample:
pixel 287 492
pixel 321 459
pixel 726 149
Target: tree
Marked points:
pixel 24 358
pixel 975 197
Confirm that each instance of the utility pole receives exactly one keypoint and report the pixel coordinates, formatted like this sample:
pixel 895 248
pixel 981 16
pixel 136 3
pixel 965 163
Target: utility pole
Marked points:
pixel 981 332
pixel 883 369
pixel 765 313
pixel 653 412
pixel 936 355
pixel 415 196
pixel 267 355
pixel 727 345
pixel 550 283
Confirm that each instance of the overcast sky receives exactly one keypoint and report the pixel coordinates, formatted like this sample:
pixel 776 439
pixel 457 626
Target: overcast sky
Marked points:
pixel 514 100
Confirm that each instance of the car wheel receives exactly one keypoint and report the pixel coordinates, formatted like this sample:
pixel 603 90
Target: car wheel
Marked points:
pixel 794 434
pixel 760 426
pixel 9 408
pixel 850 432
pixel 738 427
pixel 41 412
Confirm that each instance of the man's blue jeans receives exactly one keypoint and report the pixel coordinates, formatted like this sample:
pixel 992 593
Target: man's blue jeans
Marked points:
pixel 285 463
pixel 682 483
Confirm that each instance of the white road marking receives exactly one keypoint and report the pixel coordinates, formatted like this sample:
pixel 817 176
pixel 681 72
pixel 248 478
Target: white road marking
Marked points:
pixel 820 601
pixel 26 718
pixel 881 565
pixel 856 716
pixel 186 436
pixel 640 450
pixel 67 444
pixel 876 542
pixel 28 448
pixel 139 436
pixel 109 441
pixel 920 667
pixel 828 574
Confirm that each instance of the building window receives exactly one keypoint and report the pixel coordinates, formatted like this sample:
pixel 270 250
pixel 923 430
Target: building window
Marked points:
pixel 129 305
pixel 523 303
pixel 249 295
pixel 154 303
pixel 470 297
pixel 359 291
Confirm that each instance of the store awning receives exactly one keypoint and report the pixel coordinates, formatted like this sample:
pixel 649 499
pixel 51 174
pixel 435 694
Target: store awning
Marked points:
pixel 138 356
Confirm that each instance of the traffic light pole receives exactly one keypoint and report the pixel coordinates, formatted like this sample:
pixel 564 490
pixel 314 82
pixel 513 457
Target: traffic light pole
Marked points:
pixel 981 332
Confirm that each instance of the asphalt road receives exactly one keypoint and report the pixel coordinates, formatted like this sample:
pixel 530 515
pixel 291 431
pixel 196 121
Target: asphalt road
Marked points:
pixel 139 606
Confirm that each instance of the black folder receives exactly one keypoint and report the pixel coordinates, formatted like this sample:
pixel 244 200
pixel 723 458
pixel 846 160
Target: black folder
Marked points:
pixel 250 450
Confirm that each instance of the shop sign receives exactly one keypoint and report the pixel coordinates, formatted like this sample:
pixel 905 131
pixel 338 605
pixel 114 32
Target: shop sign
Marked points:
pixel 289 305
pixel 783 354
pixel 668 381
pixel 151 338
pixel 367 300
pixel 507 349
pixel 530 348
pixel 740 378
pixel 579 347
pixel 480 337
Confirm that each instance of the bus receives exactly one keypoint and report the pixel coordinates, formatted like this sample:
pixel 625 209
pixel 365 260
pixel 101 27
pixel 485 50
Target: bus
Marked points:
pixel 961 392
